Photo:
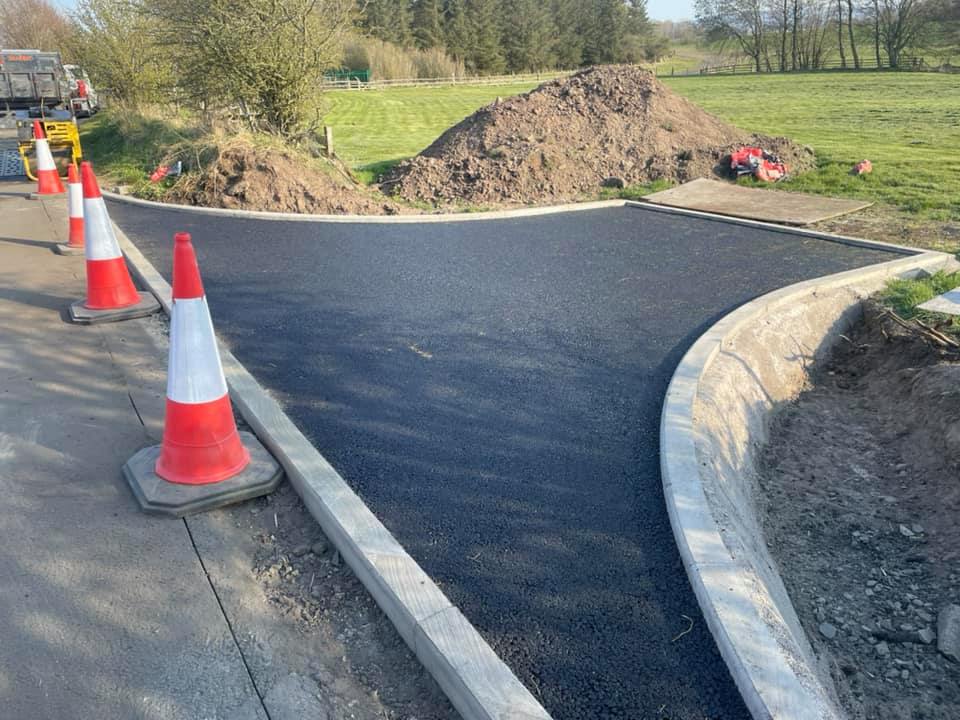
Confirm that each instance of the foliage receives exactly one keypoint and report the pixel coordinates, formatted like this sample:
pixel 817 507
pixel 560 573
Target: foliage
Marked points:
pixel 266 56
pixel 387 61
pixel 114 42
pixel 35 24
pixel 492 36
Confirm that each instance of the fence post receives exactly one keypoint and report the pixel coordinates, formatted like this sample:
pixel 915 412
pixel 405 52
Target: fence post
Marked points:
pixel 328 140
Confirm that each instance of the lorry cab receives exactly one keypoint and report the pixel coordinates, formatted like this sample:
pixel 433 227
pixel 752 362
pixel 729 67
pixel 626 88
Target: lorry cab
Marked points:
pixel 84 100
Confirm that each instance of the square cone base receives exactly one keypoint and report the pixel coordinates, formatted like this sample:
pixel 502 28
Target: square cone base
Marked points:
pixel 159 497
pixel 80 313
pixel 64 249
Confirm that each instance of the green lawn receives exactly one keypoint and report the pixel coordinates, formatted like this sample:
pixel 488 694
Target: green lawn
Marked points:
pixel 907 124
pixel 373 129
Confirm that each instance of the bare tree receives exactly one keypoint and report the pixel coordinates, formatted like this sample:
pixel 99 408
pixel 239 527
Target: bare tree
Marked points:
pixel 843 55
pixel 853 44
pixel 876 32
pixel 741 20
pixel 35 25
pixel 901 23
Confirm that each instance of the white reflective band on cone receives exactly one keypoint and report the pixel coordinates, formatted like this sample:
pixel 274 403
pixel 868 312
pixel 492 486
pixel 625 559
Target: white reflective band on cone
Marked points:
pixel 98 239
pixel 44 157
pixel 194 374
pixel 75 199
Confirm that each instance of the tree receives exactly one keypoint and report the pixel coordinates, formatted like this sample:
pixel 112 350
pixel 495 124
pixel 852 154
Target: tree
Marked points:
pixel 35 25
pixel 843 56
pixel 115 43
pixel 568 46
pixel 266 55
pixel 529 44
pixel 741 20
pixel 485 54
pixel 456 31
pixel 853 44
pixel 901 23
pixel 428 23
pixel 604 30
pixel 388 20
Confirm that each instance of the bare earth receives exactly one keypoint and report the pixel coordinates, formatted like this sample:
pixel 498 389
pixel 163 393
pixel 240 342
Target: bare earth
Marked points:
pixel 861 504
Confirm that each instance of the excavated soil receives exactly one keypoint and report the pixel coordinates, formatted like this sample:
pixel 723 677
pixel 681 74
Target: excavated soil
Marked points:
pixel 567 138
pixel 251 178
pixel 861 485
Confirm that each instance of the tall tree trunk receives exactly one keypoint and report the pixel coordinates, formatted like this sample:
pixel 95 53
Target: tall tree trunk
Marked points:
pixel 843 56
pixel 796 29
pixel 876 32
pixel 853 45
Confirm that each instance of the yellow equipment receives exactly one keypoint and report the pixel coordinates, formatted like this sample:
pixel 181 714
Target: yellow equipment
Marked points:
pixel 62 135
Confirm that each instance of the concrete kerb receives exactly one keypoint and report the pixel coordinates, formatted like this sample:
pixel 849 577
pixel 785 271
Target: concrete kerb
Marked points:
pixel 710 426
pixel 477 682
pixel 370 219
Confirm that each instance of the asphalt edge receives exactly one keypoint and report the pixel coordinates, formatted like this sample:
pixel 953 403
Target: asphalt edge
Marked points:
pixel 370 219
pixel 476 681
pixel 752 630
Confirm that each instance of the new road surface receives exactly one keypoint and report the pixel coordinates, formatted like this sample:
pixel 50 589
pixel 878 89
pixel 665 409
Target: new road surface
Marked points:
pixel 493 391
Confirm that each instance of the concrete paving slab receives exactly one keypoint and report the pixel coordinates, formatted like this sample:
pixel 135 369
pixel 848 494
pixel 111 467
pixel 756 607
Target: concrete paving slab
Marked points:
pixel 776 206
pixel 102 610
pixel 948 303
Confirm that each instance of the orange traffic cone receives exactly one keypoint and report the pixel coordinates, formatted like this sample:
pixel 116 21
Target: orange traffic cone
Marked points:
pixel 203 462
pixel 74 244
pixel 48 180
pixel 111 294
pixel 200 440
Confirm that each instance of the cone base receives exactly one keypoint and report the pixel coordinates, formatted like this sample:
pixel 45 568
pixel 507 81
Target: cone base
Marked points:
pixel 159 497
pixel 80 313
pixel 67 249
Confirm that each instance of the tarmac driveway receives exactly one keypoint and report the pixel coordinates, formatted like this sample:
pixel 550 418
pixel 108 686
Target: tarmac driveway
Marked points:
pixel 493 391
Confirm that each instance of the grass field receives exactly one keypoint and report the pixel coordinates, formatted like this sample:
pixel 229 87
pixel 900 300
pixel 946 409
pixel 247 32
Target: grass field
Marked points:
pixel 373 129
pixel 907 124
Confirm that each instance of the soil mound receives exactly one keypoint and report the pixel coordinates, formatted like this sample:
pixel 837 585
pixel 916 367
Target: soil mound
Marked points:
pixel 564 139
pixel 253 178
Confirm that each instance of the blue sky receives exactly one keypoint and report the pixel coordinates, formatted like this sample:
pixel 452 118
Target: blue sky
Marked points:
pixel 670 9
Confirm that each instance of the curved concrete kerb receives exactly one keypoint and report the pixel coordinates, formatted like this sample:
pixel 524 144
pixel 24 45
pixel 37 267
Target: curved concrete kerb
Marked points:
pixel 715 417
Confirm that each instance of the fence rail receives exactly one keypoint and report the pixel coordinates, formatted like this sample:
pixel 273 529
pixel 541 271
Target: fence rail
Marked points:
pixel 355 84
pixel 917 64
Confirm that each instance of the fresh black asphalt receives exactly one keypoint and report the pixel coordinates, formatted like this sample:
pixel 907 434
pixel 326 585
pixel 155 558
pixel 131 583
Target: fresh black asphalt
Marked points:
pixel 493 391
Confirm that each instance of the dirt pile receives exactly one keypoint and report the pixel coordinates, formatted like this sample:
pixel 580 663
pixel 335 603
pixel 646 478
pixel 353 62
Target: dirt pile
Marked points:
pixel 254 178
pixel 568 137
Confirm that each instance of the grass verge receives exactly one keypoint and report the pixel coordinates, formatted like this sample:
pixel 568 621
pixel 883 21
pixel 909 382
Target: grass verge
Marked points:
pixel 903 296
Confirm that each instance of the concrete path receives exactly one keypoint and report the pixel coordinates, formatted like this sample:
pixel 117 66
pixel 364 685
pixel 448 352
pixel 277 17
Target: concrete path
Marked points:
pixel 100 606
pixel 493 391
pixel 107 612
